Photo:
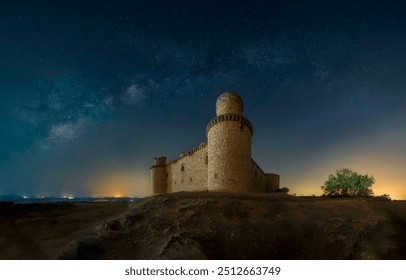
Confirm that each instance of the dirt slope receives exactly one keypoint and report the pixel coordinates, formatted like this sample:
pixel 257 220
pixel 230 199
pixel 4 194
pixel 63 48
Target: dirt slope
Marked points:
pixel 248 226
pixel 41 231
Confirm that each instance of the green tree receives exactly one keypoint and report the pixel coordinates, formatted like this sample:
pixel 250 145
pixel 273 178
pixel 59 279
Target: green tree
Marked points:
pixel 348 183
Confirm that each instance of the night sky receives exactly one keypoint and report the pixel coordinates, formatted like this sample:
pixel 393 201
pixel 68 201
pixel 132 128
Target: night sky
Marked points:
pixel 91 92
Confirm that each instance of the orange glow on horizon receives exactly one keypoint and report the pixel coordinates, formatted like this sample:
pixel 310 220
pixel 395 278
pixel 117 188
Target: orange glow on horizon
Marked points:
pixel 383 158
pixel 117 195
pixel 118 184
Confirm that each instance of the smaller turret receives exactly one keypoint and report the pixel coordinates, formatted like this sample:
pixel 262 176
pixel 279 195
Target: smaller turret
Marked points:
pixel 158 176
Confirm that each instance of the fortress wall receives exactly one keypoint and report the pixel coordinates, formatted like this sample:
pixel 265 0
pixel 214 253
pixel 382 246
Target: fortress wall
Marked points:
pixel 263 182
pixel 258 178
pixel 272 182
pixel 189 171
pixel 169 178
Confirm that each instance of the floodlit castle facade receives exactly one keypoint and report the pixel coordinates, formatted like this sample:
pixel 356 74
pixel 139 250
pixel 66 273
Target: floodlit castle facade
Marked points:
pixel 221 164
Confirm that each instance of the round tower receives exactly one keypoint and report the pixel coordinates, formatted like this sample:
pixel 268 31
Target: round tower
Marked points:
pixel 158 176
pixel 229 146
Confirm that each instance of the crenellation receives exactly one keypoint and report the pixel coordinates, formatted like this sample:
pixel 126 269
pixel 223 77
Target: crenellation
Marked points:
pixel 189 153
pixel 223 163
pixel 230 117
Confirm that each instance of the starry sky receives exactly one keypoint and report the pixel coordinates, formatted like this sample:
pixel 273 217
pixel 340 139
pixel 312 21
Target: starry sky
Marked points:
pixel 92 91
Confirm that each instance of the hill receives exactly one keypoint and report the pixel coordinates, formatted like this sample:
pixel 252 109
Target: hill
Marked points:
pixel 248 226
pixel 42 230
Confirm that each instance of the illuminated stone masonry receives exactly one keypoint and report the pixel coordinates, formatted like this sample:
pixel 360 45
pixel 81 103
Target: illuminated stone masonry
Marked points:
pixel 222 164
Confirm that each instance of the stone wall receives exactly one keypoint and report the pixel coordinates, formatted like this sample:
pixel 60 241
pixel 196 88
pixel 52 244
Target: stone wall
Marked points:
pixel 224 163
pixel 272 182
pixel 158 180
pixel 258 178
pixel 229 154
pixel 189 171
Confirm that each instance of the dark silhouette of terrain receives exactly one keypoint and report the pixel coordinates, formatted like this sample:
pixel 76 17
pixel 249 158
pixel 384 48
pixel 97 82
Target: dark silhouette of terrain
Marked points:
pixel 248 226
pixel 42 230
pixel 206 226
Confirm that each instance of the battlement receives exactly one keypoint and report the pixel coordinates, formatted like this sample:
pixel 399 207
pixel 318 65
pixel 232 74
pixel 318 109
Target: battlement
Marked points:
pixel 228 118
pixel 190 152
pixel 159 162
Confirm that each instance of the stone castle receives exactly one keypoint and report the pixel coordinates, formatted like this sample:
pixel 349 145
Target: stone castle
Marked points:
pixel 222 164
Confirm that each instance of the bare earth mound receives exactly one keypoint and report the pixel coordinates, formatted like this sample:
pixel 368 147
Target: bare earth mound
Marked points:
pixel 42 230
pixel 248 226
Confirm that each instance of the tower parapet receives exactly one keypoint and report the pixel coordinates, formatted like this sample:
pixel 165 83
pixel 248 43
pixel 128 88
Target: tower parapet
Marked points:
pixel 230 117
pixel 161 161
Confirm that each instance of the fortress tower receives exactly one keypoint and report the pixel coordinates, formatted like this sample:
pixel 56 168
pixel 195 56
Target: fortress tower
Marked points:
pixel 229 146
pixel 223 163
pixel 158 176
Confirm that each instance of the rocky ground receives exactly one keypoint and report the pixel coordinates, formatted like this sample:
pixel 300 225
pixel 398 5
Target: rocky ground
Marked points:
pixel 248 226
pixel 42 230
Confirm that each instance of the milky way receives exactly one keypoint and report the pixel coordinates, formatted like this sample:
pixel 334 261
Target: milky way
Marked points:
pixel 92 92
